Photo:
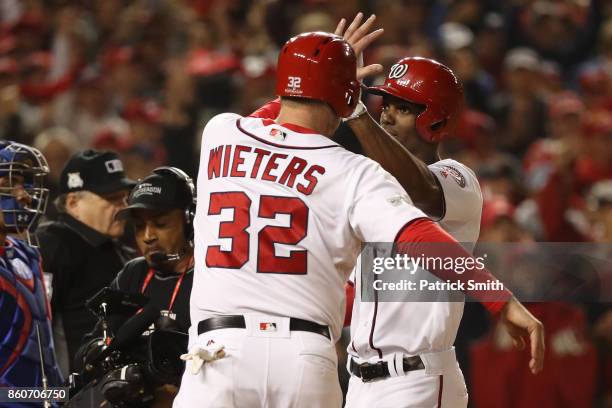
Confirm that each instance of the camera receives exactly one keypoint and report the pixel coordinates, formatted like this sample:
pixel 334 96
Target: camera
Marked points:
pixel 133 357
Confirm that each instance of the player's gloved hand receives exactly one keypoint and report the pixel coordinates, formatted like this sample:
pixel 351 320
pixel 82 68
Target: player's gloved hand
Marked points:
pixel 198 355
pixel 359 37
pixel 520 322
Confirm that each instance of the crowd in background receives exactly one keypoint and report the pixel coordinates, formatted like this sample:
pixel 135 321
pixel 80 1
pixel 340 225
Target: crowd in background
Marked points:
pixel 142 78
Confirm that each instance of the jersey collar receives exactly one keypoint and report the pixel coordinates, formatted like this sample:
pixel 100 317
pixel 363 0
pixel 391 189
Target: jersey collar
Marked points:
pixel 291 126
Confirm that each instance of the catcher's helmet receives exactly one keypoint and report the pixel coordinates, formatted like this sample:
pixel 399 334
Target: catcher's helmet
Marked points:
pixel 22 164
pixel 319 66
pixel 426 82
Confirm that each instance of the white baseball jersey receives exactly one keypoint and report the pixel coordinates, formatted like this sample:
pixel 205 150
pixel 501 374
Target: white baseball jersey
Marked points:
pixel 411 328
pixel 280 217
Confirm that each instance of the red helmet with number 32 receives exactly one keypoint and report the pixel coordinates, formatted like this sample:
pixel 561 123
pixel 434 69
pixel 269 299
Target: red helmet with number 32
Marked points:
pixel 319 66
pixel 426 82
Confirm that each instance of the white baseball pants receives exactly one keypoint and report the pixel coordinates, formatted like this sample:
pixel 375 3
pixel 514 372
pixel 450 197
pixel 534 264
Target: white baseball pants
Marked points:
pixel 439 385
pixel 264 368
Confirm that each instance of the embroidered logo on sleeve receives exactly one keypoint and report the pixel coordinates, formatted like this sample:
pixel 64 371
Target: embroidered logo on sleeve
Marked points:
pixel 455 174
pixel 399 200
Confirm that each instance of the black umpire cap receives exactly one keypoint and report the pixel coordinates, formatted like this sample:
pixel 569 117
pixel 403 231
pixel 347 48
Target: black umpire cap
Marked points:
pixel 158 191
pixel 98 172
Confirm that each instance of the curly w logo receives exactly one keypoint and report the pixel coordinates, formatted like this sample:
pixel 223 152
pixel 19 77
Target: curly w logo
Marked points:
pixel 398 71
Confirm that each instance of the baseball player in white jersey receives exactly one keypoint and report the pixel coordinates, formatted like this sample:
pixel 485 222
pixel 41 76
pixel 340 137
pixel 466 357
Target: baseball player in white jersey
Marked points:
pixel 401 354
pixel 278 227
pixel 281 216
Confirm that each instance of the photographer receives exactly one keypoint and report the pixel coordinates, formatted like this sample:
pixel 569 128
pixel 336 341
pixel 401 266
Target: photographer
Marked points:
pixel 161 208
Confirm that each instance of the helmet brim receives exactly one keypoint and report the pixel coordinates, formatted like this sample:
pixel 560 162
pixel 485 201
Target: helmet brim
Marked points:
pixel 384 90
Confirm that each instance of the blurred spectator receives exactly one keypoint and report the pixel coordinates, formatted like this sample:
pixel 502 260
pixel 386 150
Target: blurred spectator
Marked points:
pixel 315 21
pixel 503 178
pixel 498 224
pixel 91 111
pixel 564 141
pixel 457 43
pixel 477 134
pixel 596 162
pixel 57 145
pixel 552 81
pixel 11 122
pixel 599 201
pixel 520 110
pixel 560 30
pixel 568 350
pixel 491 44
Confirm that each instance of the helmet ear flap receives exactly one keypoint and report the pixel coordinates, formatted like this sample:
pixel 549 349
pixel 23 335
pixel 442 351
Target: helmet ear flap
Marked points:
pixel 438 125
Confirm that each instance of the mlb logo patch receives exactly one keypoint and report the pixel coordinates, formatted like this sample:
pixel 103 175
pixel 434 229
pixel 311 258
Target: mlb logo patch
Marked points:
pixel 277 134
pixel 75 180
pixel 267 326
pixel 113 166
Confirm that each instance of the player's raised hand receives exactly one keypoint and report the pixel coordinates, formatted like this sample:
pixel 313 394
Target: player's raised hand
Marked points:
pixel 358 35
pixel 519 323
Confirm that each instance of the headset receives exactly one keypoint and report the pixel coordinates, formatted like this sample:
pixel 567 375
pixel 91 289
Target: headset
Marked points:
pixel 190 189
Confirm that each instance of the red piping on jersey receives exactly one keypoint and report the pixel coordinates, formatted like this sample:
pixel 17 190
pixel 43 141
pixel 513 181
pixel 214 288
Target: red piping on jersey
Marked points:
pixel 279 145
pixel 373 325
pixel 440 391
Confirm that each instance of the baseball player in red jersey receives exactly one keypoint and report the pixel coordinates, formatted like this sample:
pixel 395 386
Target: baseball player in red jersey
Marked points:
pixel 401 354
pixel 282 213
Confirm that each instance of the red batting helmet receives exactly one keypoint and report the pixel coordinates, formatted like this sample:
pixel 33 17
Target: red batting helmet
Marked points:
pixel 426 82
pixel 319 66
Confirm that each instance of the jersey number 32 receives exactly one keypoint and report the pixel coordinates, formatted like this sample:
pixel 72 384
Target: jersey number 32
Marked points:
pixel 267 260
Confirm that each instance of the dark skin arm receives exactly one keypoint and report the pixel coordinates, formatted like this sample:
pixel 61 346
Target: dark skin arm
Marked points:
pixel 411 172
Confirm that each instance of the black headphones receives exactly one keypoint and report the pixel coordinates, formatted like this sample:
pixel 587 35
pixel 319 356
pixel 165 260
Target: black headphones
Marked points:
pixel 191 191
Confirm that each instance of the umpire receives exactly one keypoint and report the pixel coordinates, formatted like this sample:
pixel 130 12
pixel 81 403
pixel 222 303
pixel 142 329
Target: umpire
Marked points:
pixel 81 249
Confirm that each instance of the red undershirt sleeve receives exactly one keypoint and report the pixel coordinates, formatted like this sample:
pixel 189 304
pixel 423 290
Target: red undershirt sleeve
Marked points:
pixel 269 111
pixel 415 240
pixel 349 289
